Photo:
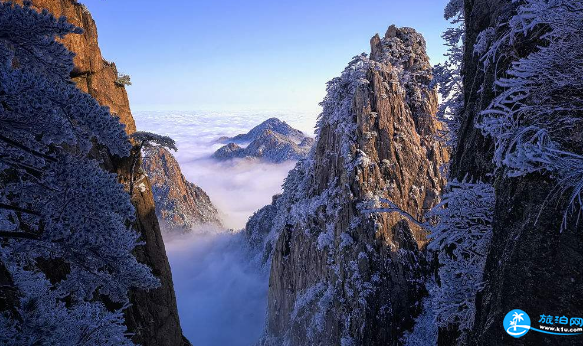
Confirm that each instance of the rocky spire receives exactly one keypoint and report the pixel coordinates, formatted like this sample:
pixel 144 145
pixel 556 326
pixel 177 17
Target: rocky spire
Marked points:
pixel 341 275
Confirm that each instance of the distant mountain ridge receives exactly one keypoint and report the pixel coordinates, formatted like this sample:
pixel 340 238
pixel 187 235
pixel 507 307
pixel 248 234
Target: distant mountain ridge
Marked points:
pixel 273 141
pixel 273 124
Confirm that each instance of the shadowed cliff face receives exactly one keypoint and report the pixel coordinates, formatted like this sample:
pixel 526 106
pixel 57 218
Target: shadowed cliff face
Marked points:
pixel 341 275
pixel 531 265
pixel 153 316
pixel 180 205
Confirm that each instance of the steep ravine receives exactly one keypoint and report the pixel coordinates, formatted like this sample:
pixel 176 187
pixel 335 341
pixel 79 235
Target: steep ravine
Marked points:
pixel 152 316
pixel 339 274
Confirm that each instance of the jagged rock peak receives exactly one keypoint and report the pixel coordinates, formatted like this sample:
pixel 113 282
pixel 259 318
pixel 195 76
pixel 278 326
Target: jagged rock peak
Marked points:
pixel 340 274
pixel 273 141
pixel 272 124
pixel 180 204
pixel 401 47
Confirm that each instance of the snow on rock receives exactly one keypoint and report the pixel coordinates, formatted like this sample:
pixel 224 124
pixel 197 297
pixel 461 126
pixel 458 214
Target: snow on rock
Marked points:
pixel 180 204
pixel 273 141
pixel 340 275
pixel 273 124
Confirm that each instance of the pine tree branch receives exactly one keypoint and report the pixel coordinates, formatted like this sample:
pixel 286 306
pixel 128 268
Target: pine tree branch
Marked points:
pixel 27 149
pixel 15 208
pixel 19 235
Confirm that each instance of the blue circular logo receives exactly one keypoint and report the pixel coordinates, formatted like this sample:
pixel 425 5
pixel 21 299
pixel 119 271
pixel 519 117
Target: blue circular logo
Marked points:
pixel 516 323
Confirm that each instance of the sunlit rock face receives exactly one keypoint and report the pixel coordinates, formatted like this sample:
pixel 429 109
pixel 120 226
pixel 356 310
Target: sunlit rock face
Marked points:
pixel 152 317
pixel 341 275
pixel 180 204
pixel 92 73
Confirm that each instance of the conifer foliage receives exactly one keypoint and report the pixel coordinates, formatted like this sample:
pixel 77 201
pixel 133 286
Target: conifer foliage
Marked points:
pixel 447 76
pixel 535 120
pixel 461 237
pixel 59 210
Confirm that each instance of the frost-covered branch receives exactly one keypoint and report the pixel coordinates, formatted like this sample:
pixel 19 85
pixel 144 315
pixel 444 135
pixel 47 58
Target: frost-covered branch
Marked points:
pixel 461 235
pixel 460 229
pixel 145 139
pixel 57 205
pixel 536 117
pixel 393 208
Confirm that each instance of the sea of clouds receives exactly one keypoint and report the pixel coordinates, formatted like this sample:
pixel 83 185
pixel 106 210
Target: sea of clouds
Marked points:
pixel 238 187
pixel 221 292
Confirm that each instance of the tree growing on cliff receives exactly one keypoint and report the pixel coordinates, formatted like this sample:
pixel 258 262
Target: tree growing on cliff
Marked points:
pixel 65 223
pixel 447 76
pixel 123 79
pixel 145 140
pixel 536 118
pixel 460 229
pixel 460 234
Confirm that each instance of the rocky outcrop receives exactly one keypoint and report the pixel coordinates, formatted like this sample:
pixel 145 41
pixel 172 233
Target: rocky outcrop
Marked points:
pixel 273 124
pixel 270 146
pixel 531 265
pixel 341 274
pixel 152 317
pixel 180 205
pixel 92 73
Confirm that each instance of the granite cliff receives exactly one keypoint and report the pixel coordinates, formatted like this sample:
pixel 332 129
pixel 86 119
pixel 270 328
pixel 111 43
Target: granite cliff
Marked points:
pixel 531 263
pixel 341 275
pixel 152 317
pixel 180 205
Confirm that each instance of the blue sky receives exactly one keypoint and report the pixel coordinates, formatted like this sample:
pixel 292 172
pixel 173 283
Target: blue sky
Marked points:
pixel 247 55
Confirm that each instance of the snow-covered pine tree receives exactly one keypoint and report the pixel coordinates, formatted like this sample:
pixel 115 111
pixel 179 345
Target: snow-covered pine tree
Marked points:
pixel 65 223
pixel 460 236
pixel 447 76
pixel 461 231
pixel 536 118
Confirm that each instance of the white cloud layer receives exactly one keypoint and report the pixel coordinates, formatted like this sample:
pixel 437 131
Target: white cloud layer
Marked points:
pixel 237 188
pixel 222 295
pixel 221 292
